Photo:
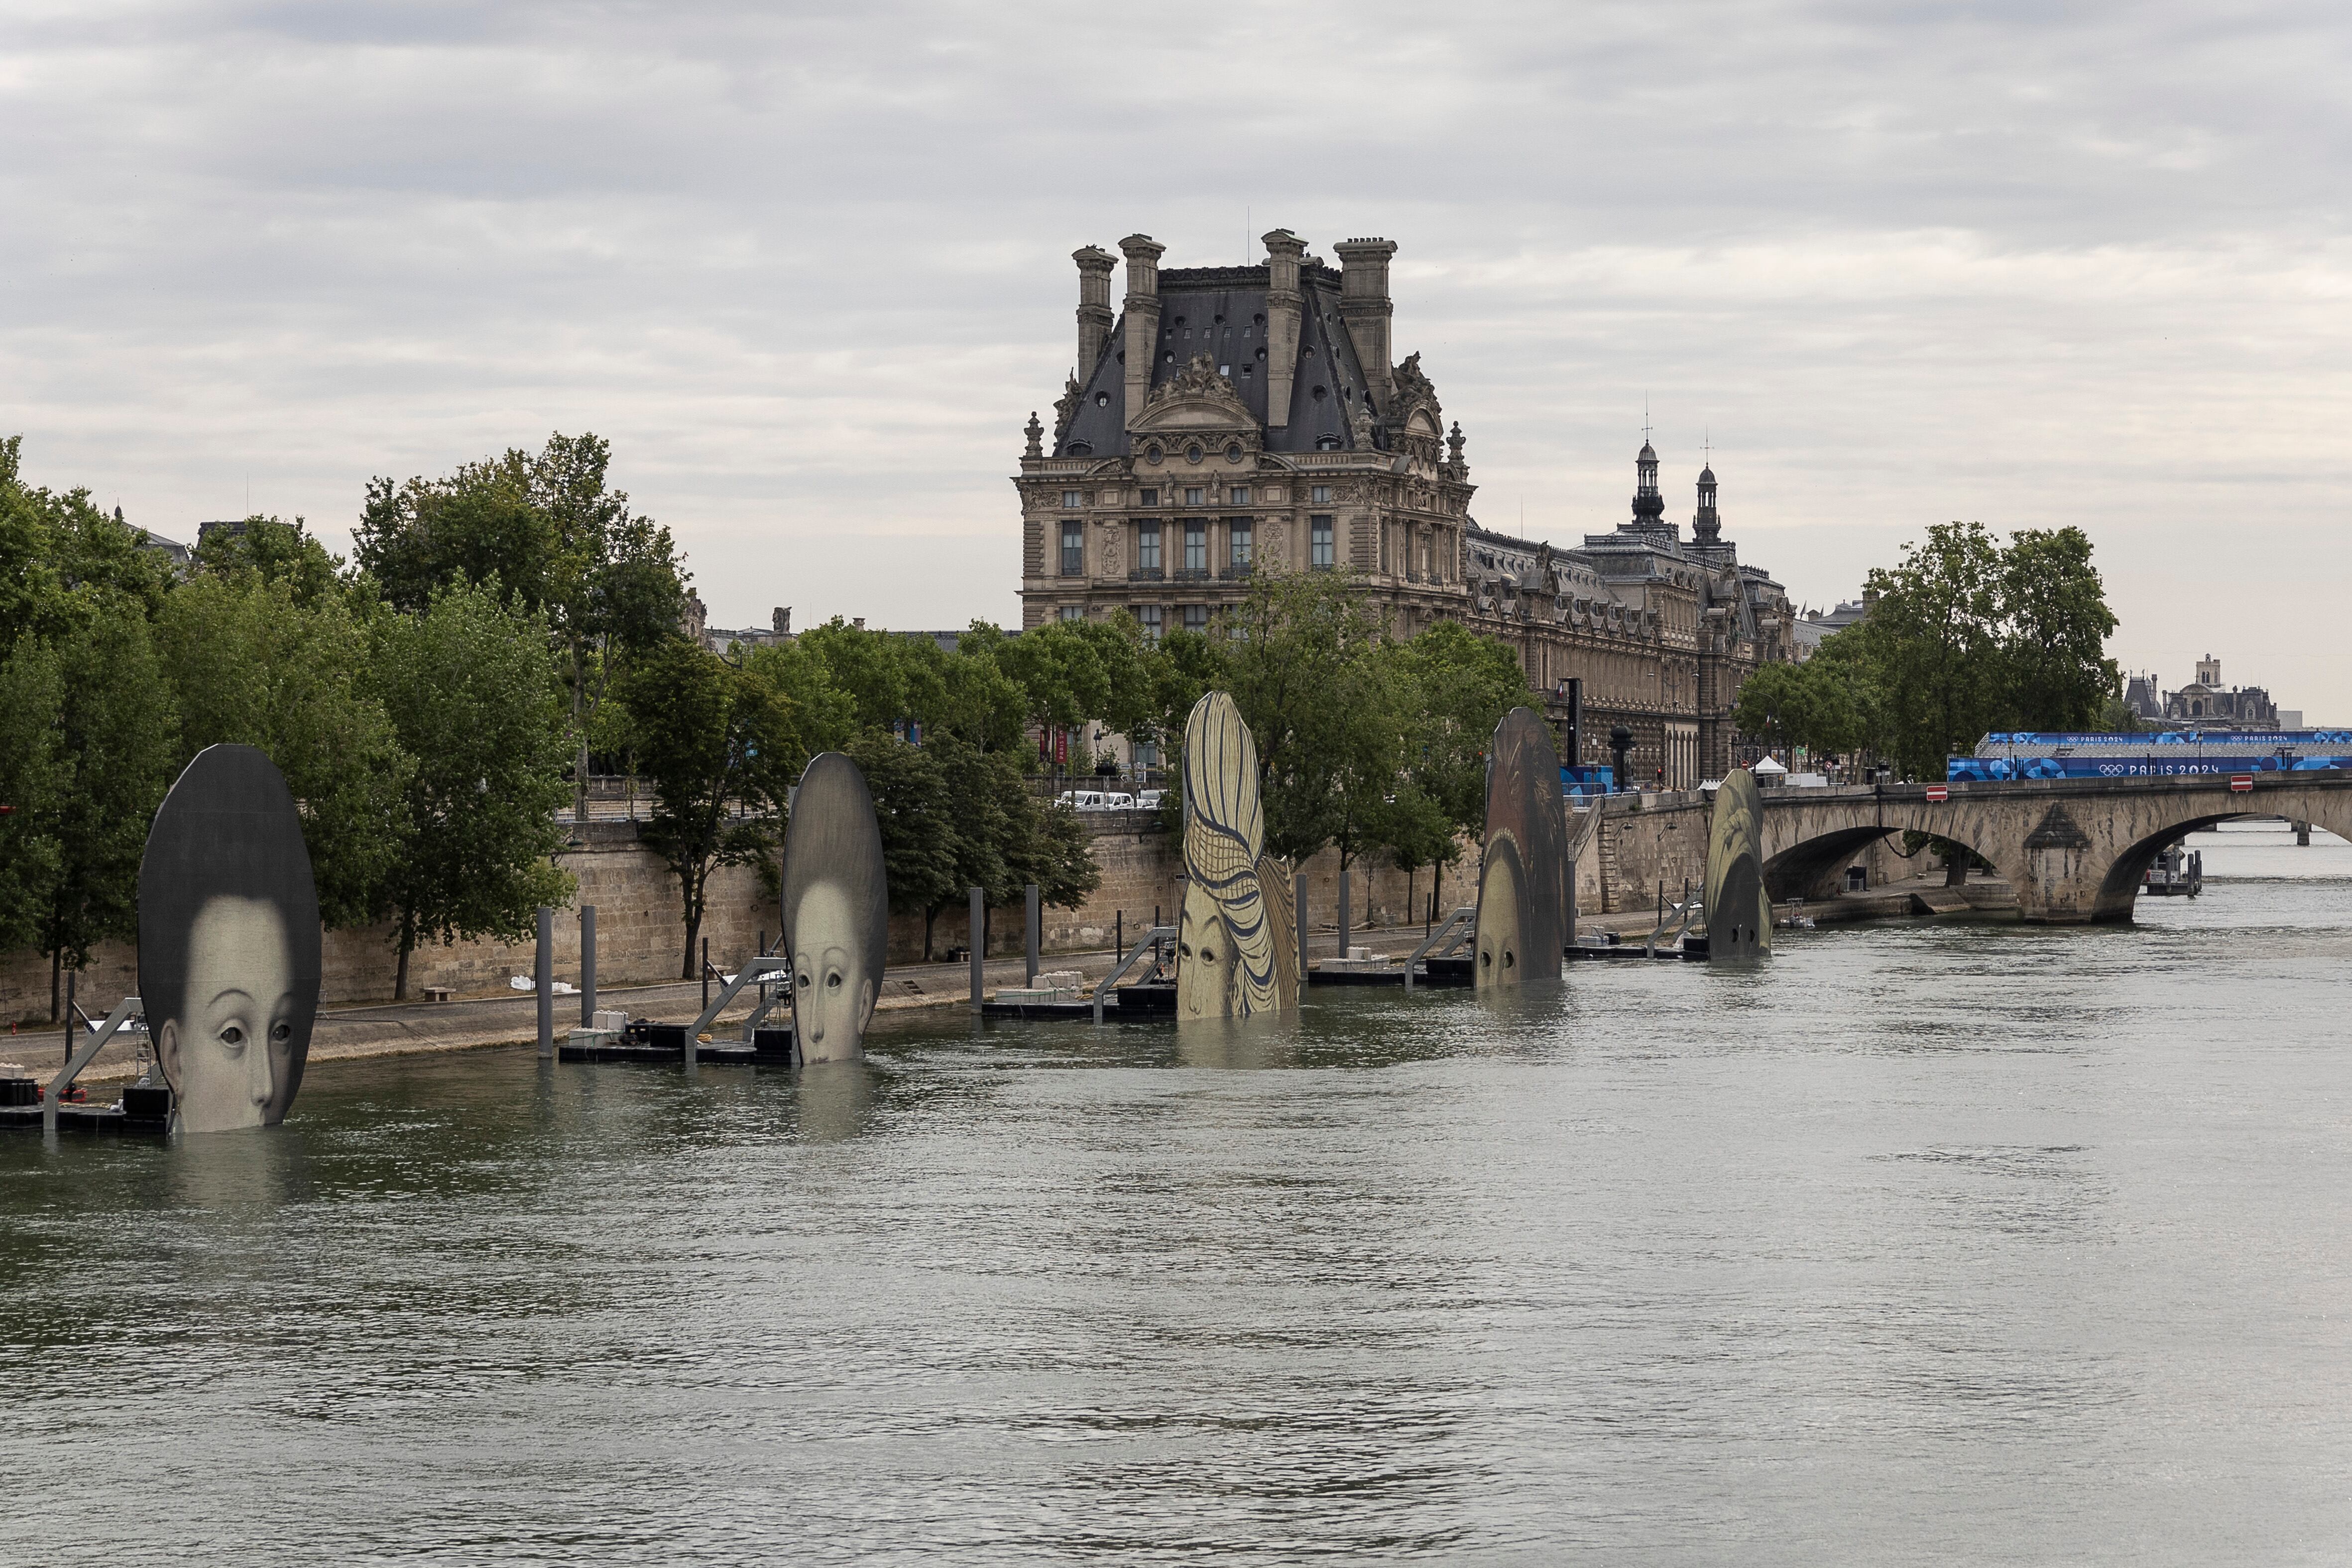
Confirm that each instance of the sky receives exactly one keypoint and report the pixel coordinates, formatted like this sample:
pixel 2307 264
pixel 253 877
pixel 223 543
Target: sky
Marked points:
pixel 807 268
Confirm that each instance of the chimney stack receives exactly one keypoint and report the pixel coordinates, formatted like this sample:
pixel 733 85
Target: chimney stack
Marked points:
pixel 1284 251
pixel 1094 305
pixel 1365 307
pixel 1143 255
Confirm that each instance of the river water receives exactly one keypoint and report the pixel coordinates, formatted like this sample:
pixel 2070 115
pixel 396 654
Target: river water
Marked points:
pixel 1922 1243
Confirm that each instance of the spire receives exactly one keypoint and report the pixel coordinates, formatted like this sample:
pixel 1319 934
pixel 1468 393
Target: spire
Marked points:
pixel 1649 506
pixel 1706 524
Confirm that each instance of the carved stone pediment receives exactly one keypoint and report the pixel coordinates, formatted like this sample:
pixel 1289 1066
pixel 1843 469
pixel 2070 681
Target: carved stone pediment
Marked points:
pixel 1197 398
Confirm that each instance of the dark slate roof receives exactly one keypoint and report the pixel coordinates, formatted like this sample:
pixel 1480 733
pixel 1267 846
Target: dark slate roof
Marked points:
pixel 1220 310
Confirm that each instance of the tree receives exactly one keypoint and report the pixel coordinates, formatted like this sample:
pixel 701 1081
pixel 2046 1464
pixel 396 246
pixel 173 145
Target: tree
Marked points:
pixel 708 737
pixel 544 526
pixel 51 544
pixel 2057 625
pixel 118 737
pixel 1968 635
pixel 473 696
pixel 274 551
pixel 1463 684
pixel 1935 638
pixel 1809 705
pixel 32 784
pixel 250 662
pixel 920 833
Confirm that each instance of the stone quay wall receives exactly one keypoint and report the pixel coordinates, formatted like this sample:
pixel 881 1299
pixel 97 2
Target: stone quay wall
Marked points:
pixel 641 931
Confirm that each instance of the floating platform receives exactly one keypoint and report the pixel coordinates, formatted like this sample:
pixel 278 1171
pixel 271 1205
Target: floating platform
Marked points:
pixel 1148 1001
pixel 142 1114
pixel 664 1044
pixel 1693 949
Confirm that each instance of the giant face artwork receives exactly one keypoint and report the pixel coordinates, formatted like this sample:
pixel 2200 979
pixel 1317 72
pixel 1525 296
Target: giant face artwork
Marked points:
pixel 228 941
pixel 1232 958
pixel 835 910
pixel 1523 918
pixel 1739 908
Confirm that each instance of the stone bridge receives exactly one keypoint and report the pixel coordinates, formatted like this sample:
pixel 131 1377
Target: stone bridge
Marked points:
pixel 2074 850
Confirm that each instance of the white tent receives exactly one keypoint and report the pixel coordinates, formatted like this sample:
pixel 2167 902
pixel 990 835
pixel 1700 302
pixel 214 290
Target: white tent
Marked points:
pixel 1768 769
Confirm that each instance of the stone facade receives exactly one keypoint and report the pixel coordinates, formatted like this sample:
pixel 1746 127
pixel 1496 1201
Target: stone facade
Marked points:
pixel 2204 703
pixel 1236 419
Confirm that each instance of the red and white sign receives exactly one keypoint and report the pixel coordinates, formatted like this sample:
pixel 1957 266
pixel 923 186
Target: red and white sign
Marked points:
pixel 2239 784
pixel 1938 794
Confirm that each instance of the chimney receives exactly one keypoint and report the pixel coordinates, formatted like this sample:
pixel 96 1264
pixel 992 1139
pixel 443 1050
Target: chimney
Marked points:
pixel 859 623
pixel 1284 251
pixel 1094 305
pixel 1143 255
pixel 1365 307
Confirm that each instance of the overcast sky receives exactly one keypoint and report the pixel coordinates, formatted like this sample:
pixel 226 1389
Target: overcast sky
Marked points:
pixel 807 268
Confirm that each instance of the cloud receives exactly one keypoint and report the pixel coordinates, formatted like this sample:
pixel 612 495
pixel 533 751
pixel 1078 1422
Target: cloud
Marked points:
pixel 809 268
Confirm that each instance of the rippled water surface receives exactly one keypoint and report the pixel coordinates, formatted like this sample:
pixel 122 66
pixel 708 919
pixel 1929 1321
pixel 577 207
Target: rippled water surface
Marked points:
pixel 1926 1243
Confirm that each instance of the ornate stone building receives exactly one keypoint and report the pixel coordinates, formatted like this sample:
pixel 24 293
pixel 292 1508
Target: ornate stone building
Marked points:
pixel 1239 419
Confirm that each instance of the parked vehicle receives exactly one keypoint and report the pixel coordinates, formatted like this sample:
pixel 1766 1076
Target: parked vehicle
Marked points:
pixel 1149 800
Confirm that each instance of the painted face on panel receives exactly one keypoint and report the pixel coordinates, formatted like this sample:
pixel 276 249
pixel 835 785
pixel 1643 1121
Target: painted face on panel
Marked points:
pixel 1500 959
pixel 1205 960
pixel 229 1055
pixel 833 985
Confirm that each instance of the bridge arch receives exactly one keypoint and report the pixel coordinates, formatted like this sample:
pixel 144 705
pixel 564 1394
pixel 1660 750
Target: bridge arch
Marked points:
pixel 2073 850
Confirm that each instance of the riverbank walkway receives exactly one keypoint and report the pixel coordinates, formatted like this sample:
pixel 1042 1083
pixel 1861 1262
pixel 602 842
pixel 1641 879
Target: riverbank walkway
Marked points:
pixel 509 1018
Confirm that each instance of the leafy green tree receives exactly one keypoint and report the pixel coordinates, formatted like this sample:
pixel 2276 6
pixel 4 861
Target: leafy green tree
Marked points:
pixel 921 833
pixel 2057 625
pixel 33 781
pixel 1935 639
pixel 1809 705
pixel 720 747
pixel 548 527
pixel 1462 685
pixel 118 739
pixel 249 662
pixel 53 543
pixel 274 552
pixel 474 697
pixel 799 673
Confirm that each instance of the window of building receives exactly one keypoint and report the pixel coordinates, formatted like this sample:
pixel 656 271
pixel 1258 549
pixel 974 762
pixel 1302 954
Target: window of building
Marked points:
pixel 1194 453
pixel 1074 612
pixel 1196 547
pixel 1151 497
pixel 1240 495
pixel 1196 618
pixel 1146 546
pixel 1074 549
pixel 1073 499
pixel 1319 540
pixel 1238 540
pixel 1319 494
pixel 1193 495
pixel 1148 616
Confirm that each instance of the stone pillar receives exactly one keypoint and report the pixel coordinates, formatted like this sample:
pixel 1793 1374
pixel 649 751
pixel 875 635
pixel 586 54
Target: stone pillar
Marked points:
pixel 1365 308
pixel 1143 255
pixel 1284 252
pixel 1094 305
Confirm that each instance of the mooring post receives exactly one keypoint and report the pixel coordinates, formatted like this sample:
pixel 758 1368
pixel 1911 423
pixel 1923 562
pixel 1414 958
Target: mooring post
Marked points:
pixel 1030 897
pixel 979 917
pixel 1343 911
pixel 542 971
pixel 1119 935
pixel 706 972
pixel 587 966
pixel 1298 918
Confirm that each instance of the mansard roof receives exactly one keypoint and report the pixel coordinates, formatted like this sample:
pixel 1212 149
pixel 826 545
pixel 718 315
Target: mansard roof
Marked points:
pixel 1206 309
